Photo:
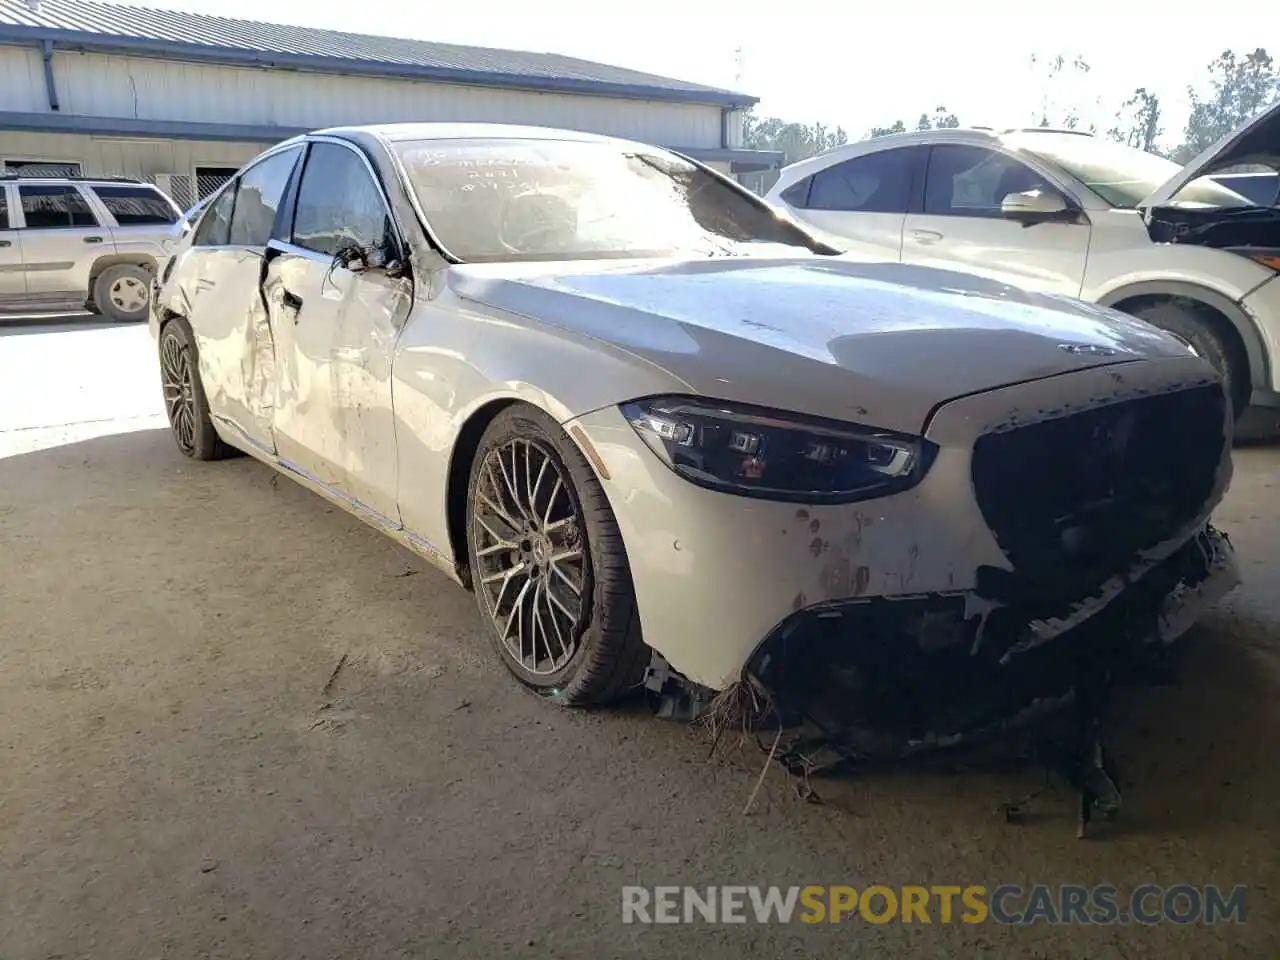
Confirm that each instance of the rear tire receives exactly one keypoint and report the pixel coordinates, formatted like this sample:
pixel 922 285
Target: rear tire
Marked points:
pixel 1198 330
pixel 548 564
pixel 184 397
pixel 123 293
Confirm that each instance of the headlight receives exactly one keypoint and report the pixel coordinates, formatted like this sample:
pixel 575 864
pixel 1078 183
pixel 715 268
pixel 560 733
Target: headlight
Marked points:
pixel 757 452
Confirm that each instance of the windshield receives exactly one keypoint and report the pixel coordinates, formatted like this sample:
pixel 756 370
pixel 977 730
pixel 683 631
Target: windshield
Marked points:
pixel 1124 176
pixel 509 200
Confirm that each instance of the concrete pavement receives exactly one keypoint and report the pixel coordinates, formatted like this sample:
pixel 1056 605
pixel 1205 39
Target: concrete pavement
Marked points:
pixel 178 778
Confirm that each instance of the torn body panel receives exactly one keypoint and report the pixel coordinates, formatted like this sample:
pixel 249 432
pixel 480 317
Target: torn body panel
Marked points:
pixel 715 575
pixel 233 335
pixel 886 678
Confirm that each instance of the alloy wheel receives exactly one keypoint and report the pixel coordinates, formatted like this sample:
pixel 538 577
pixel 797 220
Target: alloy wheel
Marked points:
pixel 179 394
pixel 531 555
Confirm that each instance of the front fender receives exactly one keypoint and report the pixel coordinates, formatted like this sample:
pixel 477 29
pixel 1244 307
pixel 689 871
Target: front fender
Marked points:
pixel 455 358
pixel 1251 334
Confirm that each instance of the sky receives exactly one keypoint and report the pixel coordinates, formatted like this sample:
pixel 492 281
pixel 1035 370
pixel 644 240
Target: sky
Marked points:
pixel 851 63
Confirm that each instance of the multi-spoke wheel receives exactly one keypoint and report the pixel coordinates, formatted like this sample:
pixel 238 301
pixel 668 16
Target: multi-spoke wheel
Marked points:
pixel 123 292
pixel 184 400
pixel 547 563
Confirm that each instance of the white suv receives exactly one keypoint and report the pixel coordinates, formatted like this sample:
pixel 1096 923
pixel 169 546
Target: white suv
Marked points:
pixel 1067 213
pixel 72 243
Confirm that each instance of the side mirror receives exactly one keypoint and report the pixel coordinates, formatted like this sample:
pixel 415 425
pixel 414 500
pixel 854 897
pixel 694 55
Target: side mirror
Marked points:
pixel 1035 206
pixel 352 258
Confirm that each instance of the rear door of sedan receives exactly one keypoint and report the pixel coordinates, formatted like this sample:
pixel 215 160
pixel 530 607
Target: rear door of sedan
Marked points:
pixel 336 324
pixel 228 315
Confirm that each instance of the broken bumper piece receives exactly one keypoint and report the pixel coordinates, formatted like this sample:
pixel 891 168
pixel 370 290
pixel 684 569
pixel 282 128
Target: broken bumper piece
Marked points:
pixel 888 678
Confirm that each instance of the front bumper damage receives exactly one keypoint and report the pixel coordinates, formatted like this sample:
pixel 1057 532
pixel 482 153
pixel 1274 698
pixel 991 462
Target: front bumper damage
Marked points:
pixel 889 678
pixel 1060 538
pixel 885 680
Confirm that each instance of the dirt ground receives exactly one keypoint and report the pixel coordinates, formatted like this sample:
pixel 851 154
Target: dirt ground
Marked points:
pixel 175 780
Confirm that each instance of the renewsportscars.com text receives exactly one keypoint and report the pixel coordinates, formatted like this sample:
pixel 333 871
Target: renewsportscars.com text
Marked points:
pixel 880 904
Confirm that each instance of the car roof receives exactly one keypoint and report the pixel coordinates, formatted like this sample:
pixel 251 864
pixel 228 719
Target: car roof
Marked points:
pixel 400 132
pixel 35 178
pixel 1014 137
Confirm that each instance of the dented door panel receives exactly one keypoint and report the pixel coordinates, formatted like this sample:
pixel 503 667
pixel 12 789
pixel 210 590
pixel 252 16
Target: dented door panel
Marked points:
pixel 234 341
pixel 373 312
pixel 304 304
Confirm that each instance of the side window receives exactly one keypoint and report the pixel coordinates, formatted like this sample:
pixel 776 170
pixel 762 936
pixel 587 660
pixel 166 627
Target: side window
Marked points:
pixel 876 183
pixel 53 206
pixel 215 225
pixel 797 195
pixel 261 187
pixel 339 205
pixel 972 181
pixel 4 208
pixel 136 205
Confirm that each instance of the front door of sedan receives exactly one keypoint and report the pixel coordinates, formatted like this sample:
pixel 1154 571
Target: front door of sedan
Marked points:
pixel 961 226
pixel 336 324
pixel 859 205
pixel 229 317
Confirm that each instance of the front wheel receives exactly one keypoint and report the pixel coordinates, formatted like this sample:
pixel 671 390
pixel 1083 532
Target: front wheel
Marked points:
pixel 548 565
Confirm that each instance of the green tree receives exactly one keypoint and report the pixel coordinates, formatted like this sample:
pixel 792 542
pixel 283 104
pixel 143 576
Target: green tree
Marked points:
pixel 1138 121
pixel 796 140
pixel 1238 87
pixel 1059 104
pixel 942 119
pixel 898 127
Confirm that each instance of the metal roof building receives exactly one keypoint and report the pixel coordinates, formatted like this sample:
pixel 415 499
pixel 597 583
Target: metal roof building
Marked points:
pixel 184 99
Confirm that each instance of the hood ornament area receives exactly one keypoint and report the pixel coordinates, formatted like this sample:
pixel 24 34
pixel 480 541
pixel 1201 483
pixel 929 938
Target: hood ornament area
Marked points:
pixel 1087 349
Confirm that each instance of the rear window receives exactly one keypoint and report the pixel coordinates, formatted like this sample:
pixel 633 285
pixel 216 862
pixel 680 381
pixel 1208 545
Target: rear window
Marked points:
pixel 136 205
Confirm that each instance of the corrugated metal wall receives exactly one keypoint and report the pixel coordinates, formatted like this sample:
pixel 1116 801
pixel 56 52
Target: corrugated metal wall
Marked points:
pixel 125 157
pixel 101 85
pixel 22 80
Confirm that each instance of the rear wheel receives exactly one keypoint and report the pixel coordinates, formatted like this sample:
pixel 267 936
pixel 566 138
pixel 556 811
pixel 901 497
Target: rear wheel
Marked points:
pixel 123 293
pixel 547 562
pixel 1199 331
pixel 184 398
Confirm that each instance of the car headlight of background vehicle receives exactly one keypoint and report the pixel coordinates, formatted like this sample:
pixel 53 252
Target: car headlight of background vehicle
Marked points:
pixel 757 452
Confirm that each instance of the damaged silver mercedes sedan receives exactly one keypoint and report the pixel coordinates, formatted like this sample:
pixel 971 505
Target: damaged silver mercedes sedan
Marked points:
pixel 668 437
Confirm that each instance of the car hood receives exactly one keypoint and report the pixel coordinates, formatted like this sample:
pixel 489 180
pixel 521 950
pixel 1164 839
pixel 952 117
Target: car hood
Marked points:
pixel 878 343
pixel 1254 141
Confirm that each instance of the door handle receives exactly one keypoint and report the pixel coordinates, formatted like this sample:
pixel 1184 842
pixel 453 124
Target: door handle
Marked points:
pixel 92 239
pixel 6 243
pixel 926 236
pixel 291 302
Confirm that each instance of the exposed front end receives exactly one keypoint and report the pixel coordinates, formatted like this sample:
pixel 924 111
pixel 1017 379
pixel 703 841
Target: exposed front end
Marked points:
pixel 1051 518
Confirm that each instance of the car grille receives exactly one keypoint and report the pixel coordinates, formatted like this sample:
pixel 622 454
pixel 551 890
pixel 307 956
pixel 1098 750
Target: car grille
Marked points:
pixel 1071 500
